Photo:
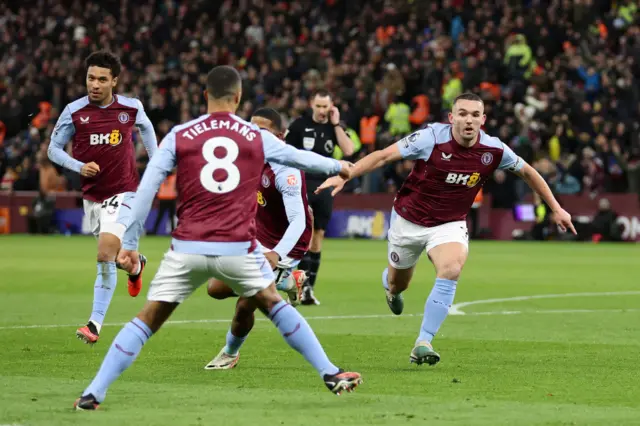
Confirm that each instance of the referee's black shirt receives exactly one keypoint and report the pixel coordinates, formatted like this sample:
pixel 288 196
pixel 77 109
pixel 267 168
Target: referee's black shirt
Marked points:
pixel 321 138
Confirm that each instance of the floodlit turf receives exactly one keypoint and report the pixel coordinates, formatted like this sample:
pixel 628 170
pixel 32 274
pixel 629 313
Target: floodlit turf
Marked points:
pixel 543 361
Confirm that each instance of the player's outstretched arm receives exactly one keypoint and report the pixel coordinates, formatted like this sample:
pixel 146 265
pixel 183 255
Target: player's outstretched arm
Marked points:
pixel 147 132
pixel 510 161
pixel 536 182
pixel 277 151
pixel 156 172
pixel 417 145
pixel 369 163
pixel 289 184
pixel 61 135
pixel 376 159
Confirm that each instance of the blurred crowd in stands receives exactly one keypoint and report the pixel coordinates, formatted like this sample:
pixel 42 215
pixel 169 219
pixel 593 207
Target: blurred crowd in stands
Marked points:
pixel 560 78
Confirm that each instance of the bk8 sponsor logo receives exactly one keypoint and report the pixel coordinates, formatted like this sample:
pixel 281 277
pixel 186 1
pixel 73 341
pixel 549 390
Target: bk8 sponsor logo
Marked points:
pixel 114 138
pixel 463 179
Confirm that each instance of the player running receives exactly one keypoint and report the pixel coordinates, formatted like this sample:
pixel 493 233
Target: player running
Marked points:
pixel 284 228
pixel 453 161
pixel 216 157
pixel 100 126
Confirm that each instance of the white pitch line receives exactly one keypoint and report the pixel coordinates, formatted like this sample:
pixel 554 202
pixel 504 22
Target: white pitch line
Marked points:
pixel 455 310
pixel 209 321
pixel 551 311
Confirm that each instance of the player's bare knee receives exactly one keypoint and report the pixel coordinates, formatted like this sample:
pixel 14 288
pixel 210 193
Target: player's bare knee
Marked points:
pixel 107 251
pixel 108 247
pixel 219 290
pixel 266 299
pixel 217 294
pixel 245 307
pixel 398 284
pixel 451 270
pixel 155 313
pixel 106 255
pixel 399 279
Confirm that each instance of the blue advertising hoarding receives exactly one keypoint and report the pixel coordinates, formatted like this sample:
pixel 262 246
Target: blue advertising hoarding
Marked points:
pixel 372 224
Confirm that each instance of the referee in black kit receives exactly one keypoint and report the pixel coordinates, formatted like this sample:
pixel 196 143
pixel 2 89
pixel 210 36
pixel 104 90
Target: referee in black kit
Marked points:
pixel 318 133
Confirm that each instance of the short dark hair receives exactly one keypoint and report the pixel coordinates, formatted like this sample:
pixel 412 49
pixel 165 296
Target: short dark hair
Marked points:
pixel 223 82
pixel 104 59
pixel 468 96
pixel 323 93
pixel 270 114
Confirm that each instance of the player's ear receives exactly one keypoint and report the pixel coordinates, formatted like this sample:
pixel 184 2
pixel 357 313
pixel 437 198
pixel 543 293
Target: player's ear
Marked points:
pixel 206 95
pixel 484 118
pixel 451 117
pixel 114 81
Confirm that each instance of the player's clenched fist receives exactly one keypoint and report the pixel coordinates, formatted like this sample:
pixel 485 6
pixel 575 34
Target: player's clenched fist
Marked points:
pixel 90 169
pixel 128 259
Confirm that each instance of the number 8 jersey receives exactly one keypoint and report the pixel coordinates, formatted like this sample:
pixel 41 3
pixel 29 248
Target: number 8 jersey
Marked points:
pixel 220 160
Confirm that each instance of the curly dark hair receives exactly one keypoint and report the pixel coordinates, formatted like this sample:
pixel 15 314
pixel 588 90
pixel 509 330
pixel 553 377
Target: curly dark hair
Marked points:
pixel 104 59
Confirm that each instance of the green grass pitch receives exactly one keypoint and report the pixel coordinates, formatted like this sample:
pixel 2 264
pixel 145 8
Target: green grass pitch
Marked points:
pixel 570 359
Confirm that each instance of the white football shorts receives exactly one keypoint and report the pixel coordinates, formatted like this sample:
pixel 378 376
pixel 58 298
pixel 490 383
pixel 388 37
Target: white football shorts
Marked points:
pixel 180 274
pixel 104 217
pixel 408 240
